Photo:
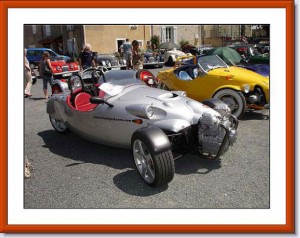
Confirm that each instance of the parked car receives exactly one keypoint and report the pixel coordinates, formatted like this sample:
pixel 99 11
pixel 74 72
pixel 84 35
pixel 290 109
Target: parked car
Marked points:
pixel 190 49
pixel 210 77
pixel 110 62
pixel 61 69
pixel 34 55
pixel 171 56
pixel 91 76
pixel 233 58
pixel 203 49
pixel 157 127
pixel 251 54
pixel 153 59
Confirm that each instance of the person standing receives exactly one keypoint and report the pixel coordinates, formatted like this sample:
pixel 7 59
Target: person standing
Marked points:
pixel 127 51
pixel 137 55
pixel 27 76
pixel 45 71
pixel 86 58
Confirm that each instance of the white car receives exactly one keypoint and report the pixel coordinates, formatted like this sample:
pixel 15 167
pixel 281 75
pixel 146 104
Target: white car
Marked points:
pixel 171 56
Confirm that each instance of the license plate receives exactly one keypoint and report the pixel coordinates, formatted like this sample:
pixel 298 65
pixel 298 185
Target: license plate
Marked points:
pixel 67 74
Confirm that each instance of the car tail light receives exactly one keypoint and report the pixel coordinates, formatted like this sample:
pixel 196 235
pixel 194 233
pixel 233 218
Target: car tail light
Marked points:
pixel 148 78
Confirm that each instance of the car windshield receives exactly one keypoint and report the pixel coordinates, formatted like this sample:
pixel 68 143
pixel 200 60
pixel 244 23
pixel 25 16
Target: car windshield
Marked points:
pixel 210 62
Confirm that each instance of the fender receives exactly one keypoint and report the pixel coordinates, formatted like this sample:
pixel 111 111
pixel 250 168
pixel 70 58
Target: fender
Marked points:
pixel 233 87
pixel 155 137
pixel 63 85
pixel 216 104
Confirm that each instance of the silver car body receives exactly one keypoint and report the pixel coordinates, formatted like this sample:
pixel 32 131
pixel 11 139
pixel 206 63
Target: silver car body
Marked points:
pixel 126 113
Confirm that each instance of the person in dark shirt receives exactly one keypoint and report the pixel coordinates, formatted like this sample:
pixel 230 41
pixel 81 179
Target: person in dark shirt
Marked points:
pixel 86 58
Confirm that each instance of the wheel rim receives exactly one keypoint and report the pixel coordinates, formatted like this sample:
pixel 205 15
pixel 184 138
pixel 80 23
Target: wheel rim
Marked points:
pixel 143 161
pixel 234 102
pixel 58 125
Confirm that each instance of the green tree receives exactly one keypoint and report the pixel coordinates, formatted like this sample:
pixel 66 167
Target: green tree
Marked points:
pixel 183 43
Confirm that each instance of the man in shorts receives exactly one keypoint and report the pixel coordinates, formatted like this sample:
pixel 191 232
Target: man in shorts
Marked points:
pixel 127 51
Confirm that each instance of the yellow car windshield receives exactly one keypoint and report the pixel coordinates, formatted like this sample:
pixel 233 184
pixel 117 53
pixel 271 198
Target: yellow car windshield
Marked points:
pixel 210 62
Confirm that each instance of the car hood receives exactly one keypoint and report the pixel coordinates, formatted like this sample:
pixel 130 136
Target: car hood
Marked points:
pixel 239 74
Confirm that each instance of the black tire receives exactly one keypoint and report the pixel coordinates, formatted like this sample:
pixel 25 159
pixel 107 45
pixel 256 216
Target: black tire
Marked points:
pixel 234 99
pixel 58 125
pixel 156 169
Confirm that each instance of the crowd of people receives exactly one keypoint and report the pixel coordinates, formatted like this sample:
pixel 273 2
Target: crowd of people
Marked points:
pixel 132 52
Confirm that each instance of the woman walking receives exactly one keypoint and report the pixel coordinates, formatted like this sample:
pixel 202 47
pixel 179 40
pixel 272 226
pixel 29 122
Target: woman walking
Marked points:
pixel 46 72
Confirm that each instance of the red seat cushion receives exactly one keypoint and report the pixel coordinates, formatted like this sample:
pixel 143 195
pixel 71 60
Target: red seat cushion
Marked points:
pixel 82 102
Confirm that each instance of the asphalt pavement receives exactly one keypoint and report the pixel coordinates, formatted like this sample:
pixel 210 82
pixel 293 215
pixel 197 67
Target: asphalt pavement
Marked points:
pixel 69 172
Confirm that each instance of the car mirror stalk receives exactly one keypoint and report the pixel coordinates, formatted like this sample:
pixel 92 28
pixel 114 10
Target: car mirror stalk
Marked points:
pixel 99 100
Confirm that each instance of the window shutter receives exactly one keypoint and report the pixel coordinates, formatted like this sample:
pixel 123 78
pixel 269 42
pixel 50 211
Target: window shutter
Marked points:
pixel 174 35
pixel 163 34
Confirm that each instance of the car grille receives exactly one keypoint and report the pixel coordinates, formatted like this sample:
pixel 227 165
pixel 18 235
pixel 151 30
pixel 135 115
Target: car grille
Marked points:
pixel 65 68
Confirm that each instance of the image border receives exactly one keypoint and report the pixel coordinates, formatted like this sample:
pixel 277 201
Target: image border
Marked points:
pixel 288 227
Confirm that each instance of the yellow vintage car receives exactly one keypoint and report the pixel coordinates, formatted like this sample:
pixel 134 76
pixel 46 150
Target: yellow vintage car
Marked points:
pixel 210 77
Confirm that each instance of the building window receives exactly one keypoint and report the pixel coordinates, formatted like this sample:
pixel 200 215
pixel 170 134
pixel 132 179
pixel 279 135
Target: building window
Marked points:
pixel 33 29
pixel 169 34
pixel 70 27
pixel 47 30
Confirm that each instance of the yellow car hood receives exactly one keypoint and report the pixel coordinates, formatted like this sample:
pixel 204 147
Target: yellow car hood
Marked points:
pixel 239 74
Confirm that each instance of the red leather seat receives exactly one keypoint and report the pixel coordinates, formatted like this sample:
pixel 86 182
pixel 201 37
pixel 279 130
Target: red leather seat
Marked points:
pixel 82 102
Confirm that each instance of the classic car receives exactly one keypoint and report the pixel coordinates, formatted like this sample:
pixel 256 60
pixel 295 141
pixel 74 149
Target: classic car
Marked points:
pixel 233 58
pixel 153 59
pixel 157 125
pixel 171 56
pixel 210 77
pixel 110 62
pixel 34 55
pixel 188 48
pixel 92 75
pixel 61 69
pixel 251 54
pixel 203 49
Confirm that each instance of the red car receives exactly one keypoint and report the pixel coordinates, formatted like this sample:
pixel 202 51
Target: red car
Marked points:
pixel 61 69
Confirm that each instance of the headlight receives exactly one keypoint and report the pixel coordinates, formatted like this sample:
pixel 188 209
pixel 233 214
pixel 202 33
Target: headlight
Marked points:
pixel 75 82
pixel 58 68
pixel 103 63
pixel 246 88
pixel 149 111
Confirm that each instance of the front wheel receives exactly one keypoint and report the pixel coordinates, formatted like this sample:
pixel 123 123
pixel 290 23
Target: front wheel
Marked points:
pixel 235 100
pixel 156 169
pixel 58 125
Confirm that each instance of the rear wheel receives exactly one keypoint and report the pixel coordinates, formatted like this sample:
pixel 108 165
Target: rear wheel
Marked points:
pixel 235 100
pixel 58 125
pixel 155 169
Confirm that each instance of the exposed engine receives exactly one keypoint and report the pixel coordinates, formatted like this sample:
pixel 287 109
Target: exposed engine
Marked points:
pixel 212 131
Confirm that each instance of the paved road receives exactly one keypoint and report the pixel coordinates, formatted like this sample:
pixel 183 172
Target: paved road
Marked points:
pixel 69 172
